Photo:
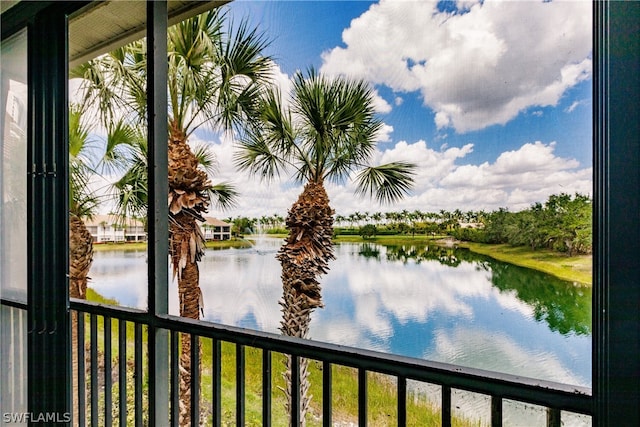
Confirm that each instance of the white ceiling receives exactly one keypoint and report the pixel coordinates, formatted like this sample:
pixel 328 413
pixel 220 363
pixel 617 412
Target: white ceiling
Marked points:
pixel 105 25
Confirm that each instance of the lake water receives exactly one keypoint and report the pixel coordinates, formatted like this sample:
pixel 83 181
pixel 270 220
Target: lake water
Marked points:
pixel 434 303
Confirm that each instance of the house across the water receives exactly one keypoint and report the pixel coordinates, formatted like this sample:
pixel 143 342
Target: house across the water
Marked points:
pixel 111 228
pixel 215 229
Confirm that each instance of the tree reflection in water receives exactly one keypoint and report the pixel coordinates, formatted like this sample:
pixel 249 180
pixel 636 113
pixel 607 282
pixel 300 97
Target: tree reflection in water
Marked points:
pixel 418 254
pixel 564 306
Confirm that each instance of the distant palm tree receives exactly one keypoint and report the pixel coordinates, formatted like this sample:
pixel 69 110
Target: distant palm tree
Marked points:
pixel 328 132
pixel 215 74
pixel 376 217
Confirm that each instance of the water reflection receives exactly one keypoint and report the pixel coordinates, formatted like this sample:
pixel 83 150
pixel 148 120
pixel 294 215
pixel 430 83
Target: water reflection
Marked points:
pixel 418 254
pixel 565 307
pixel 427 302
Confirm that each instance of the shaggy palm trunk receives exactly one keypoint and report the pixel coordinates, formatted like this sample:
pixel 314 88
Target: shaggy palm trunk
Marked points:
pixel 187 200
pixel 304 258
pixel 80 259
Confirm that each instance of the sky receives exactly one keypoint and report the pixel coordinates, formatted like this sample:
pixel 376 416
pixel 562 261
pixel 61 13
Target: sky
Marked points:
pixel 491 100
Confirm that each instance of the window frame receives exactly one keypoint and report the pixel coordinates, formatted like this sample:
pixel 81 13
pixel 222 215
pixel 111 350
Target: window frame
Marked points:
pixel 616 154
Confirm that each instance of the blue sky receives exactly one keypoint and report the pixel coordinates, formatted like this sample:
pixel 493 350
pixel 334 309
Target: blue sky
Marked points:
pixel 492 100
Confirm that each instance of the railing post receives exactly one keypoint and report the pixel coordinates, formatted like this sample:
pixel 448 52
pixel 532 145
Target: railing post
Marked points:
pixel 82 359
pixel 108 382
pixel 295 391
pixel 446 405
pixel 94 369
pixel 402 401
pixel 266 388
pixel 554 418
pixel 327 392
pixel 240 386
pixel 362 397
pixel 122 371
pixel 216 369
pixel 175 375
pixel 496 411
pixel 137 374
pixel 195 379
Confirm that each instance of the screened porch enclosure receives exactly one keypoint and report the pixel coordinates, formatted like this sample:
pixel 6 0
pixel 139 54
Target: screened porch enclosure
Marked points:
pixel 127 359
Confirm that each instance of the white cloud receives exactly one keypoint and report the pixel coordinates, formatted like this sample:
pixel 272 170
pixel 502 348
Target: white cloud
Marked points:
pixel 380 104
pixel 444 180
pixel 574 105
pixel 384 135
pixel 530 168
pixel 474 69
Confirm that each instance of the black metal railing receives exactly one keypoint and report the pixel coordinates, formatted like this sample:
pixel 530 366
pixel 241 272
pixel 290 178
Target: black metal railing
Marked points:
pixel 100 404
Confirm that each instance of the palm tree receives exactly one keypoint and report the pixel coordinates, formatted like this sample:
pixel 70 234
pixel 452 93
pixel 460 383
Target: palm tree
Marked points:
pixel 376 217
pixel 215 75
pixel 327 133
pixel 82 205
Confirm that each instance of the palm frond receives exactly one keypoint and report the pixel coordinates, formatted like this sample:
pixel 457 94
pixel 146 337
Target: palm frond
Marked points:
pixel 243 54
pixel 96 91
pixel 83 200
pixel 122 142
pixel 256 156
pixel 223 195
pixel 241 70
pixel 337 123
pixel 386 183
pixel 206 158
pixel 131 191
pixel 80 142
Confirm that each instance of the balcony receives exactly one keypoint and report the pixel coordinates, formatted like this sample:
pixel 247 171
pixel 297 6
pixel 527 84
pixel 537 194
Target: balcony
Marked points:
pixel 36 362
pixel 108 401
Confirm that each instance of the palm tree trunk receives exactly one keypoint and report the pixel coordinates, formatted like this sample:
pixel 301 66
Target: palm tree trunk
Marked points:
pixel 190 304
pixel 80 259
pixel 304 258
pixel 188 198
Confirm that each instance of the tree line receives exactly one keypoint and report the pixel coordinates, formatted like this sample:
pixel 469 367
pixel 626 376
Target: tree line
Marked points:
pixel 563 223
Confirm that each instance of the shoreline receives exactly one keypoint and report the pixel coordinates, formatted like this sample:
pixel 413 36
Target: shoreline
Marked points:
pixel 577 269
